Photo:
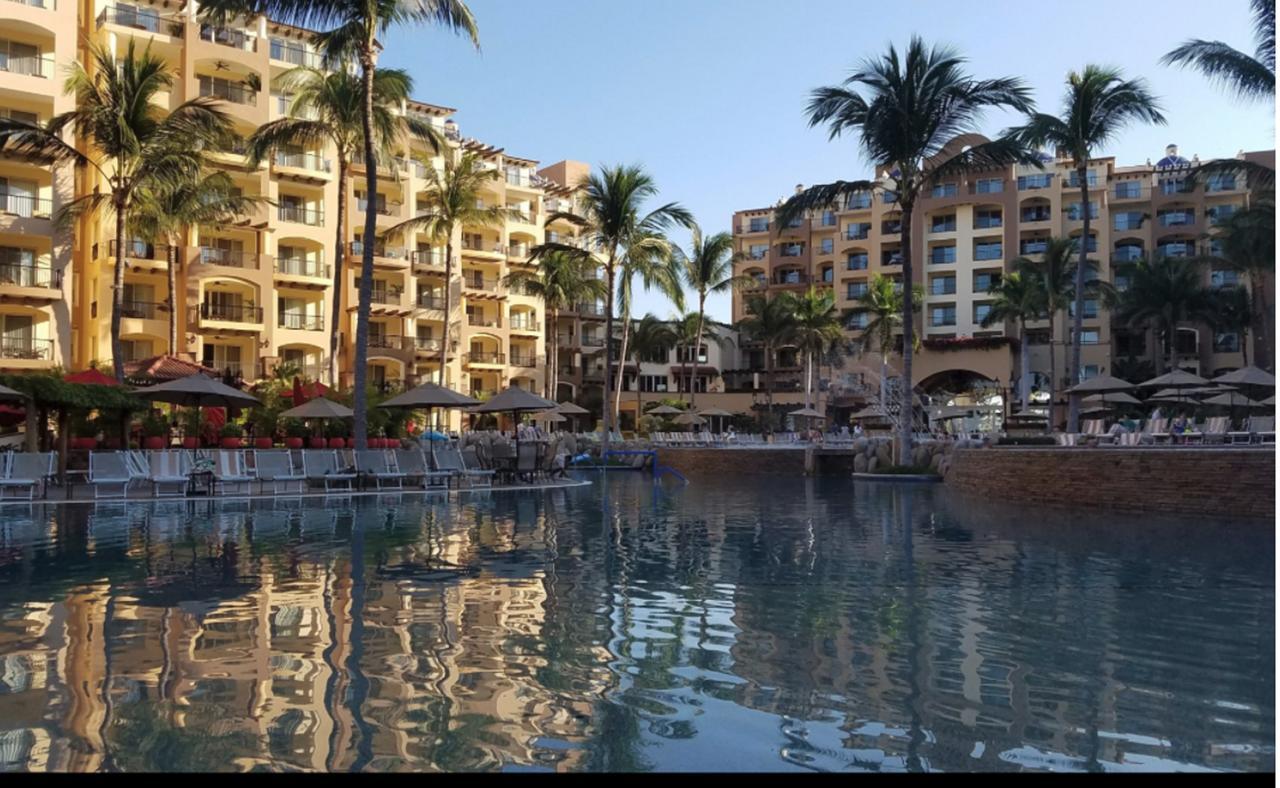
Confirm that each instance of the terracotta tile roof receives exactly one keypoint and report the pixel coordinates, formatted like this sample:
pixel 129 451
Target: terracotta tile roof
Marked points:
pixel 162 368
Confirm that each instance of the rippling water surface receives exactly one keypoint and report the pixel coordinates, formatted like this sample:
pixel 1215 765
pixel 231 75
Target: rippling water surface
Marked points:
pixel 753 624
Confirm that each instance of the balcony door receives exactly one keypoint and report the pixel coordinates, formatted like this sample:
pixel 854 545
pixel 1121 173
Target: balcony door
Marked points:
pixel 17 335
pixel 18 197
pixel 221 251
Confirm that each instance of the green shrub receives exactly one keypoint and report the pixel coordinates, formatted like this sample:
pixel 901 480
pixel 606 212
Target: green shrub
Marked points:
pixel 295 428
pixel 155 426
pixel 232 430
pixel 335 428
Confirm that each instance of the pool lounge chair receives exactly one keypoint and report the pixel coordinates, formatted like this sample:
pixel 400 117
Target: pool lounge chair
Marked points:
pixel 380 466
pixel 169 473
pixel 275 466
pixel 413 464
pixel 1244 435
pixel 1216 429
pixel 26 473
pixel 322 465
pixel 1263 429
pixel 448 458
pixel 1157 430
pixel 108 470
pixel 229 469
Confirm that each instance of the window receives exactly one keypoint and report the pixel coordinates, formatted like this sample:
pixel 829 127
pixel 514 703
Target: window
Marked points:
pixel 986 281
pixel 856 290
pixel 1220 214
pixel 1088 371
pixel 759 224
pixel 891 257
pixel 24 59
pixel 990 186
pixel 889 198
pixel 828 274
pixel 1224 278
pixel 942 316
pixel 1127 252
pixel 137 349
pixel 1035 213
pixel 858 202
pixel 858 232
pixel 1033 246
pixel 1090 308
pixel 946 190
pixel 1038 336
pixel 988 219
pixel 1090 246
pixel 942 285
pixel 1076 214
pixel 22 198
pixel 1128 220
pixel 828 246
pixel 980 312
pixel 684 355
pixel 1175 249
pixel 1073 180
pixel 941 224
pixel 941 255
pixel 1040 181
pixel 794 223
pixel 759 251
pixel 1176 186
pixel 653 383
pixel 1089 336
pixel 1122 278
pixel 988 250
pixel 858 320
pixel 1226 342
pixel 791 250
pixel 828 218
pixel 891 226
pixel 1128 190
pixel 1176 217
pixel 857 261
pixel 1220 183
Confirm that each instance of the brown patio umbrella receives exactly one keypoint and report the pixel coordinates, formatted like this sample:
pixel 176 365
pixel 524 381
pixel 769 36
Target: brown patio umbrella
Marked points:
pixel 1249 376
pixel 8 393
pixel 690 419
pixel 1102 383
pixel 1233 400
pixel 319 408
pixel 198 391
pixel 664 410
pixel 428 397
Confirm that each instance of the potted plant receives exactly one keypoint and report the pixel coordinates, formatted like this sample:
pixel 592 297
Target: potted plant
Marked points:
pixel 265 422
pixel 84 432
pixel 393 432
pixel 155 432
pixel 232 436
pixel 191 428
pixel 337 433
pixel 294 433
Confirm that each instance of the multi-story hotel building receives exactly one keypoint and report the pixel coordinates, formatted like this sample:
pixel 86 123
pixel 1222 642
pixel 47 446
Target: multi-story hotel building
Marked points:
pixel 965 237
pixel 258 291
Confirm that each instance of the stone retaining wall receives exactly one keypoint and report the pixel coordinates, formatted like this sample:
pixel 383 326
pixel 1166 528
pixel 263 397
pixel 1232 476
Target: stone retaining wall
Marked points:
pixel 1218 482
pixel 723 463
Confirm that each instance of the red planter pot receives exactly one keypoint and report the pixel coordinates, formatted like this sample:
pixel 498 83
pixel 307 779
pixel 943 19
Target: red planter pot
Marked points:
pixel 113 443
pixel 84 443
pixel 155 442
pixel 337 443
pixel 293 443
pixel 190 443
pixel 232 443
pixel 263 443
pixel 318 443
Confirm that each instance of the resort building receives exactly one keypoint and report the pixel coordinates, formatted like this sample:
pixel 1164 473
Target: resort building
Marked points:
pixel 966 235
pixel 258 292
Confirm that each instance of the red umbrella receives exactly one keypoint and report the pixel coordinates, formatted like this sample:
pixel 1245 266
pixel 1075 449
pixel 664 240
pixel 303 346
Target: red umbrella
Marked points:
pixel 297 391
pixel 91 377
pixel 9 415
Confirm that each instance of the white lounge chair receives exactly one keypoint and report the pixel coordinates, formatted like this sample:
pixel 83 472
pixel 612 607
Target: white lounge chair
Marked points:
pixel 413 464
pixel 1263 428
pixel 448 458
pixel 109 469
pixel 275 466
pixel 322 465
pixel 380 466
pixel 1216 429
pixel 169 473
pixel 229 469
pixel 26 473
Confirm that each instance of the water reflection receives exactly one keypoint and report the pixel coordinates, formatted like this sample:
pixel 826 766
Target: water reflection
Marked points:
pixel 800 626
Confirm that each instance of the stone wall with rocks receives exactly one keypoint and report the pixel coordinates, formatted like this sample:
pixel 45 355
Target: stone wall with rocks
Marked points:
pixel 1217 482
pixel 874 454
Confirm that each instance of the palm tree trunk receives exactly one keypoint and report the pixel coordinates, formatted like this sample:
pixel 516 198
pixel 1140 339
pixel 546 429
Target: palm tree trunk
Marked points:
pixel 906 417
pixel 610 274
pixel 1267 343
pixel 884 381
pixel 808 376
pixel 1024 370
pixel 1244 347
pixel 1077 323
pixel 360 423
pixel 339 268
pixel 639 403
pixel 172 276
pixel 622 359
pixel 768 392
pixel 448 305
pixel 697 349
pixel 117 294
pixel 553 354
pixel 1053 371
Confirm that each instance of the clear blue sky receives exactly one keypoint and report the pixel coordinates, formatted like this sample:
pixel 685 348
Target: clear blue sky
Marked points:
pixel 709 94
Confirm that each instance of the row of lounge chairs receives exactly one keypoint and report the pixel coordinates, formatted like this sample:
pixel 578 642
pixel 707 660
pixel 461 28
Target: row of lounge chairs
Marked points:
pixel 709 439
pixel 1217 429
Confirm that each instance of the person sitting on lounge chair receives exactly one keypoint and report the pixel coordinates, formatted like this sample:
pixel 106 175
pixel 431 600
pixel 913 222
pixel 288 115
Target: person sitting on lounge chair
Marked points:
pixel 1179 427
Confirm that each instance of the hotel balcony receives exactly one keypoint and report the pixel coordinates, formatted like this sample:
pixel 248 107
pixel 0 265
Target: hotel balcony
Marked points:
pixel 242 317
pixel 480 283
pixel 480 321
pixel 24 353
pixel 428 261
pixel 138 317
pixel 294 55
pixel 303 271
pixel 30 76
pixel 400 348
pixel 484 358
pixel 31 284
pixel 130 22
pixel 294 321
pixel 25 215
pixel 426 346
pixel 590 311
pixel 201 256
pixel 522 325
pixel 312 217
pixel 383 256
pixel 310 167
pixel 492 250
pixel 525 360
pixel 428 301
pixel 229 37
pixel 137 255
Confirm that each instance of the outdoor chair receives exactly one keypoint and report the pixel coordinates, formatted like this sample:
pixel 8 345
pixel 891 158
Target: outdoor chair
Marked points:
pixel 169 472
pixel 276 467
pixel 1216 429
pixel 108 470
pixel 322 465
pixel 26 474
pixel 229 469
pixel 1263 428
pixel 413 464
pixel 380 466
pixel 1243 435
pixel 1158 430
pixel 527 461
pixel 448 458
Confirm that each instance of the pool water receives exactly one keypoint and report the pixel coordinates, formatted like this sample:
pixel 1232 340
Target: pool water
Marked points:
pixel 780 624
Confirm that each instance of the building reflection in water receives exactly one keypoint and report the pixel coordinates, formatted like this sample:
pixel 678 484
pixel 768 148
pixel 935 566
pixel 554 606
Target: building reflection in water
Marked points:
pixel 626 628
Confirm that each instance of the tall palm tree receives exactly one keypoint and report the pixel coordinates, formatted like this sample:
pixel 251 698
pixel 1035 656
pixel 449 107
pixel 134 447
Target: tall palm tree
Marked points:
pixel 707 269
pixel 771 322
pixel 352 30
pixel 124 135
pixel 614 223
pixel 1250 77
pixel 1232 310
pixel 650 337
pixel 1052 279
pixel 1248 245
pixel 560 282
pixel 656 267
pixel 692 331
pixel 1098 105
pixel 326 109
pixel 909 111
pixel 1164 294
pixel 817 328
pixel 1017 299
pixel 883 305
pixel 452 201
pixel 162 214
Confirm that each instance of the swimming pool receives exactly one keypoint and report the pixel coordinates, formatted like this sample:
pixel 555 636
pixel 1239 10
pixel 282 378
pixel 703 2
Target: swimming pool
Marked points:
pixel 782 624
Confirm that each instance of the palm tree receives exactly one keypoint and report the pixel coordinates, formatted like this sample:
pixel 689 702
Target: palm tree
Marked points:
pixel 1164 294
pixel 1250 77
pixel 1232 310
pixel 1098 105
pixel 771 322
pixel 907 117
pixel 883 305
pixel 453 200
pixel 326 109
pixel 707 269
pixel 560 282
pixel 1248 245
pixel 163 214
pixel 1052 279
pixel 613 221
pixel 123 134
pixel 817 328
pixel 650 337
pixel 656 266
pixel 352 29
pixel 1017 299
pixel 692 330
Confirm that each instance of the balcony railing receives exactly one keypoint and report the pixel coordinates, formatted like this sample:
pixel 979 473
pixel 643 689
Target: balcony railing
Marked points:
pixel 52 5
pixel 30 66
pixel 589 310
pixel 480 283
pixel 140 20
pixel 484 357
pixel 524 360
pixel 483 246
pixel 229 37
pixel 17 275
pixel 135 250
pixel 26 349
pixel 380 208
pixel 480 320
pixel 749 228
pixel 236 94
pixel 524 324
pixel 212 255
pixel 301 322
pixel 427 258
pixel 429 301
pixel 291 53
pixel 792 278
pixel 385 297
pixel 231 313
pixel 25 206
pixel 427 344
pixel 301 266
pixel 293 213
pixel 592 341
pixel 388 253
pixel 142 310
pixel 304 161
pixel 386 342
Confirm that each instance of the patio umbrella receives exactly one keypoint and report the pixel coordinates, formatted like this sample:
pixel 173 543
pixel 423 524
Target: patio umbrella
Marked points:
pixel 871 412
pixel 573 410
pixel 1234 400
pixel 807 414
pixel 1114 398
pixel 665 410
pixel 1249 376
pixel 1177 379
pixel 1271 401
pixel 514 401
pixel 199 391
pixel 319 408
pixel 429 396
pixel 716 413
pixel 1102 383
pixel 690 419
pixel 8 393
pixel 91 377
pixel 550 417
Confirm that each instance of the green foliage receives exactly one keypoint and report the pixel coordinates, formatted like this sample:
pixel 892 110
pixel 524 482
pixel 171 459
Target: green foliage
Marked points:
pixel 49 390
pixel 155 426
pixel 294 428
pixel 232 430
pixel 336 428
